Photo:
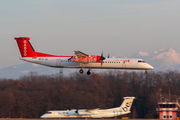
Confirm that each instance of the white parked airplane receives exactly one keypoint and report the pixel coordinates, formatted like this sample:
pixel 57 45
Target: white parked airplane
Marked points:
pixel 79 60
pixel 92 113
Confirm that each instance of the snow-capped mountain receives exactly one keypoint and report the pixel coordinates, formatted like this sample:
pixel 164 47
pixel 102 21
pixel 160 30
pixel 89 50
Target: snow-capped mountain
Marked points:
pixel 162 60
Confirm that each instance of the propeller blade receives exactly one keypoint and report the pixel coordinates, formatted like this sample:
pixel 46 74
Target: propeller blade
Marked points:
pixel 102 58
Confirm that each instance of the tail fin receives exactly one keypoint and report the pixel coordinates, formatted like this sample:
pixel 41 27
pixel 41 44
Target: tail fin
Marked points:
pixel 25 47
pixel 127 103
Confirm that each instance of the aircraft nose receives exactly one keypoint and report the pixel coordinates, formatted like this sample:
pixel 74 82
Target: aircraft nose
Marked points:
pixel 42 116
pixel 150 67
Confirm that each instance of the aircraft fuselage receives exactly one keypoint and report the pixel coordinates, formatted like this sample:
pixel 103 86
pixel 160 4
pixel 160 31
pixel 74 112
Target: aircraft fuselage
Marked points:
pixel 108 63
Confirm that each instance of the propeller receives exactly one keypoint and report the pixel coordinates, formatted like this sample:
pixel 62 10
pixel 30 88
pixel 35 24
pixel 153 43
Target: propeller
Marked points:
pixel 76 111
pixel 102 58
pixel 108 56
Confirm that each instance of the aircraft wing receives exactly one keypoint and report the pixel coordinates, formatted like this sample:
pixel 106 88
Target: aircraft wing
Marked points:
pixel 92 110
pixel 80 54
pixel 88 111
pixel 84 58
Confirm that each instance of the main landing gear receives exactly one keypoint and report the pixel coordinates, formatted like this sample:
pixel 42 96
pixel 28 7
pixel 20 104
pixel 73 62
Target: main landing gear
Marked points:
pixel 88 72
pixel 81 71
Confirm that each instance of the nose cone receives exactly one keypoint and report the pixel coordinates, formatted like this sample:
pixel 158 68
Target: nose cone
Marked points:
pixel 150 67
pixel 43 116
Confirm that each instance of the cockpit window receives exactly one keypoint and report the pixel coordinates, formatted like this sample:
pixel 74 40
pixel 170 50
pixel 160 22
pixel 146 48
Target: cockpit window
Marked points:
pixel 49 113
pixel 141 61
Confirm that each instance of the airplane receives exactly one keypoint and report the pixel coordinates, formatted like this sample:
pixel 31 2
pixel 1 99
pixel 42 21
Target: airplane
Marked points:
pixel 92 113
pixel 79 60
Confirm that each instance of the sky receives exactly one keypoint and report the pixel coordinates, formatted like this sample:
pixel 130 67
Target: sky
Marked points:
pixel 92 26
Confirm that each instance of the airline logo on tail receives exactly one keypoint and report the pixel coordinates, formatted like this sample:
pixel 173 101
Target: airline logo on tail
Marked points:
pixel 25 48
pixel 127 103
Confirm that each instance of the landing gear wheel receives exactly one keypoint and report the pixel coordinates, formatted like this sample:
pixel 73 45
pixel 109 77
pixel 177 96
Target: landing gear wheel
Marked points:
pixel 145 72
pixel 88 72
pixel 81 71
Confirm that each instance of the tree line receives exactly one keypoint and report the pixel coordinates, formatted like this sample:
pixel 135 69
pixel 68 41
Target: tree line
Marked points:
pixel 32 95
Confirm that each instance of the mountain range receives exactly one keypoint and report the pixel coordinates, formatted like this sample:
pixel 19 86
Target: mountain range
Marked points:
pixel 162 60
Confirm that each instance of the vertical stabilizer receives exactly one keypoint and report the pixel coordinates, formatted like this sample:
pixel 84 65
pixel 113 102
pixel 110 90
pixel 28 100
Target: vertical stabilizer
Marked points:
pixel 127 103
pixel 25 47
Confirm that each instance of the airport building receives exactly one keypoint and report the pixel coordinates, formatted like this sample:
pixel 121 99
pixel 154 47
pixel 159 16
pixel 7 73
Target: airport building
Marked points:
pixel 168 109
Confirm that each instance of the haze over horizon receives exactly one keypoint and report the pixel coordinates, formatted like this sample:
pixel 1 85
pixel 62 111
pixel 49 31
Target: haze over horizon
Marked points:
pixel 116 27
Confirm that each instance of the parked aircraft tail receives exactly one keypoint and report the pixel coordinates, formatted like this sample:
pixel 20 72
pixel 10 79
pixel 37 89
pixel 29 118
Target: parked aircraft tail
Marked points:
pixel 127 103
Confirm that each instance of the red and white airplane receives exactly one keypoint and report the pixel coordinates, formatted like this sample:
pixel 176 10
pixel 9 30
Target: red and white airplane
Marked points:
pixel 79 60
